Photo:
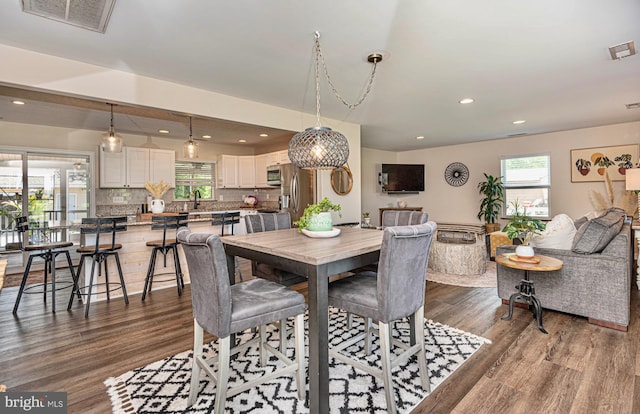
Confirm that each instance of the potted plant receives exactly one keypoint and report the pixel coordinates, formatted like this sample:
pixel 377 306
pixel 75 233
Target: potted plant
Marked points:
pixel 317 217
pixel 523 227
pixel 491 204
pixel 366 218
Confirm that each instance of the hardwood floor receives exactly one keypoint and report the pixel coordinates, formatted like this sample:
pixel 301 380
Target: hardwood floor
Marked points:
pixel 577 368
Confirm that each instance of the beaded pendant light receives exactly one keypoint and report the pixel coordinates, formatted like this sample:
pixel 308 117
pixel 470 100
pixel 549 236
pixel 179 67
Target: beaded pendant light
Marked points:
pixel 320 147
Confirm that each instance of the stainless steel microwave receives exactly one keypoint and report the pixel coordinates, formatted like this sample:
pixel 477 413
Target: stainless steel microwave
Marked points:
pixel 274 175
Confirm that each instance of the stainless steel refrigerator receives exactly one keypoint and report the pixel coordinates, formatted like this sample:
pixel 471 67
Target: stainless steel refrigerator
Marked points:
pixel 297 190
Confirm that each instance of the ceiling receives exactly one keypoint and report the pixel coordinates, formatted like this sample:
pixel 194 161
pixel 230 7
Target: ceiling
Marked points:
pixel 546 62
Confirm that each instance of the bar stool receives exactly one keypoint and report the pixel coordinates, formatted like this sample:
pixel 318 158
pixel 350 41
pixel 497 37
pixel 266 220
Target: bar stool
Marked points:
pixel 164 246
pixel 223 219
pixel 48 252
pixel 99 253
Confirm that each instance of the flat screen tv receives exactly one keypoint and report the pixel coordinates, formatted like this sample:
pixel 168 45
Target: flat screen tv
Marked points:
pixel 402 178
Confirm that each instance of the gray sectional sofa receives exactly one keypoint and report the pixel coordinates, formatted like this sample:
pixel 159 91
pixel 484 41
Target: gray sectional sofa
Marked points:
pixel 594 285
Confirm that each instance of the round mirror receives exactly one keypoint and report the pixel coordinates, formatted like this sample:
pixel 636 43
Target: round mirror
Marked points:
pixel 341 180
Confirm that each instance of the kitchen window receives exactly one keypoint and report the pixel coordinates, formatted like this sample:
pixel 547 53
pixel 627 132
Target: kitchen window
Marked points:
pixel 192 176
pixel 527 181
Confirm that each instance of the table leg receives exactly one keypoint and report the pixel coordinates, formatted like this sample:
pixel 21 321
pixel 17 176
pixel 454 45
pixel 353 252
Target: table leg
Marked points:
pixel 526 291
pixel 318 339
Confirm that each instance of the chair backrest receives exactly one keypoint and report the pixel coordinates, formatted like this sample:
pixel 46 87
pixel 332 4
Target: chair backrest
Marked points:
pixel 402 269
pixel 224 219
pixel 165 223
pixel 210 286
pixel 257 223
pixel 22 226
pixel 403 218
pixel 104 225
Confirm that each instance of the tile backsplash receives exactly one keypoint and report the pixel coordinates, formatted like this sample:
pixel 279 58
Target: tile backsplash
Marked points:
pixel 129 201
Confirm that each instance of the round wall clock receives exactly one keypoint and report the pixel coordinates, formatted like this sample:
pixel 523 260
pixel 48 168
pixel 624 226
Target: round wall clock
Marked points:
pixel 456 174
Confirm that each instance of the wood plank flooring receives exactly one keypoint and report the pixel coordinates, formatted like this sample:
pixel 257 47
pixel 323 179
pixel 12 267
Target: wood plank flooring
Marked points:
pixel 577 368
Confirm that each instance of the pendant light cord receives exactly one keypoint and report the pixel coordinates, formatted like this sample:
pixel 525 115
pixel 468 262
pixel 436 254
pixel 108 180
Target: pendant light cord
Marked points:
pixel 319 57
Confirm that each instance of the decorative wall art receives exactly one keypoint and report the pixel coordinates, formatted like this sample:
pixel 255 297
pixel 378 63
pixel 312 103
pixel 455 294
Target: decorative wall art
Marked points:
pixel 456 174
pixel 590 164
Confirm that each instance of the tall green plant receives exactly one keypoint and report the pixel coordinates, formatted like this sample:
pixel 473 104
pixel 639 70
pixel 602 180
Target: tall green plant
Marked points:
pixel 493 193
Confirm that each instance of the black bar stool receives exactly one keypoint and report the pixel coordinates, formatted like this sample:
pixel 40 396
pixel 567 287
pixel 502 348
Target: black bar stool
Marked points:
pixel 163 247
pixel 48 252
pixel 223 219
pixel 99 253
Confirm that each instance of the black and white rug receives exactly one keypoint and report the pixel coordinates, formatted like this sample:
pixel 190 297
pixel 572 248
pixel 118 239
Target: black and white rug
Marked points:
pixel 163 386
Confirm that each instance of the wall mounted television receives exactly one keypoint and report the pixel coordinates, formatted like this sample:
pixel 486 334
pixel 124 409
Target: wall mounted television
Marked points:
pixel 401 178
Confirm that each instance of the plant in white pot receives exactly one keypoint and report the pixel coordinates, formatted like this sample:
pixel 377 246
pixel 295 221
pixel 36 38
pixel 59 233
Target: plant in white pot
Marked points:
pixel 523 227
pixel 317 217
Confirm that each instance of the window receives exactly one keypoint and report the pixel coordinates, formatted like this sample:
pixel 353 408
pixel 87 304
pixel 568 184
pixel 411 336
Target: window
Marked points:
pixel 192 176
pixel 526 180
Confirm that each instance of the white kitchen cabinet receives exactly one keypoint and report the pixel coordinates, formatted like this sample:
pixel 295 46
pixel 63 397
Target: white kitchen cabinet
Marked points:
pixel 113 168
pixel 162 166
pixel 247 171
pixel 228 171
pixel 137 170
pixel 278 157
pixel 262 162
pixel 133 167
pixel 283 157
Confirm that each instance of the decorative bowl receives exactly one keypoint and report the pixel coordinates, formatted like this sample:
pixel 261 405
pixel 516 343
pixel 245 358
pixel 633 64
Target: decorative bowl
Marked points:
pixel 402 204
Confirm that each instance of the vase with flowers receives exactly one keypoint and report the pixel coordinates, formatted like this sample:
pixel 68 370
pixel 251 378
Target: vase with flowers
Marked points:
pixel 157 190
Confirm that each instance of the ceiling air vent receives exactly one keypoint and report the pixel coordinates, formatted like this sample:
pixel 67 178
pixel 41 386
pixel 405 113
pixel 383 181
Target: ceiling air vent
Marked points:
pixel 622 50
pixel 88 14
pixel 635 105
pixel 519 134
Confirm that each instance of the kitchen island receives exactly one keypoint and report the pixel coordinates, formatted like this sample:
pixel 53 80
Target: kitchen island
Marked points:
pixel 135 254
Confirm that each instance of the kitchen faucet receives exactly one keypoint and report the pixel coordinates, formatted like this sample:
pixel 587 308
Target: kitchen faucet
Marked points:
pixel 196 196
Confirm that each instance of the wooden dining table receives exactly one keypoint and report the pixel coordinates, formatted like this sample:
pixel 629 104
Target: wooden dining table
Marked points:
pixel 317 259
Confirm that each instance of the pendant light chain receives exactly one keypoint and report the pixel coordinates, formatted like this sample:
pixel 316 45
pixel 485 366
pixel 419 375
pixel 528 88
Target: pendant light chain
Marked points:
pixel 320 57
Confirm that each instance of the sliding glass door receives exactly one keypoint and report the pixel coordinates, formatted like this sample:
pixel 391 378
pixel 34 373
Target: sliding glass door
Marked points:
pixel 52 190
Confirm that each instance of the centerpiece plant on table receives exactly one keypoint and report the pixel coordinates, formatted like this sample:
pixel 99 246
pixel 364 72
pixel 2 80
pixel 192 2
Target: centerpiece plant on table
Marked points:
pixel 317 217
pixel 523 227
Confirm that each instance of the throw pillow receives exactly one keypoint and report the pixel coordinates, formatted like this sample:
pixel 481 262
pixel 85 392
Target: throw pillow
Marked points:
pixel 558 234
pixel 595 235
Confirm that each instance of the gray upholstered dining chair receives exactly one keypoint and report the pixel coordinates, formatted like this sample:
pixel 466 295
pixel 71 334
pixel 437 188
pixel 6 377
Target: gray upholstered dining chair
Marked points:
pixel 392 218
pixel 222 309
pixel 256 223
pixel 397 292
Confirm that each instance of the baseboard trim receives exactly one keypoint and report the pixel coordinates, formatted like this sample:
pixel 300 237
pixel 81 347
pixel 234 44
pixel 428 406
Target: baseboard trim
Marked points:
pixel 609 325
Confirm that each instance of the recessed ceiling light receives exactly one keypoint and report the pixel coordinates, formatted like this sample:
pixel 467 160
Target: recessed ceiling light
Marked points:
pixel 17 102
pixel 466 101
pixel 521 121
pixel 242 140
pixel 206 136
pixel 420 137
pixel 163 131
pixel 264 135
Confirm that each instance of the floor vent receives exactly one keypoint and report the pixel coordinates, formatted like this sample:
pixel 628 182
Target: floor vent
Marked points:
pixel 88 14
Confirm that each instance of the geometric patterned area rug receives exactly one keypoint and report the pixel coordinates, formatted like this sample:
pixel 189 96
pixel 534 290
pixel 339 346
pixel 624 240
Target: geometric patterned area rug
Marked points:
pixel 163 386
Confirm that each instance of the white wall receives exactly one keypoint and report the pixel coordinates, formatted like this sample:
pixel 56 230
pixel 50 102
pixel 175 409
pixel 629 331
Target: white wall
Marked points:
pixel 44 72
pixel 445 203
